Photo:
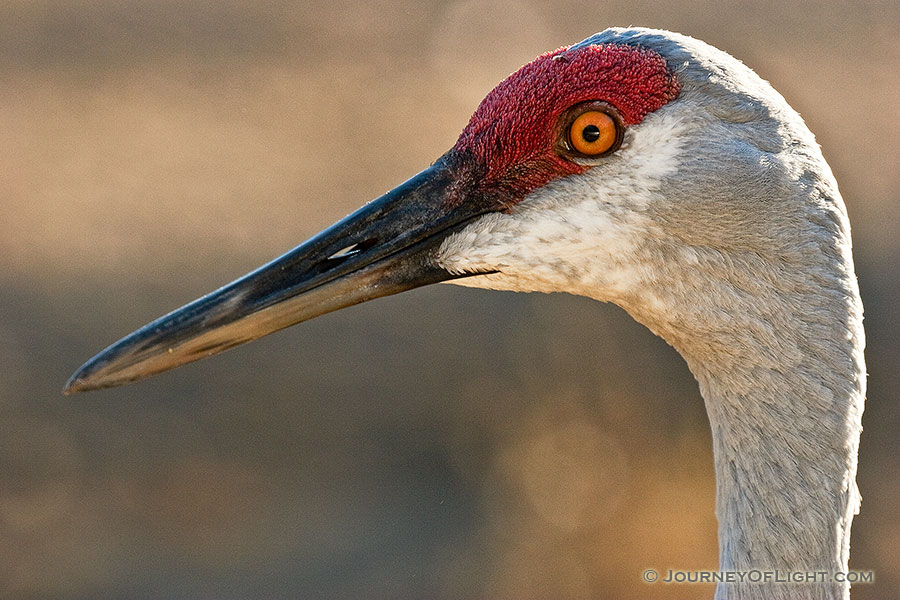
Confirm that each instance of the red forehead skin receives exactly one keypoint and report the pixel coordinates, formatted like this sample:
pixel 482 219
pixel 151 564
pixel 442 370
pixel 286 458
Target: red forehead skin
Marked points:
pixel 512 133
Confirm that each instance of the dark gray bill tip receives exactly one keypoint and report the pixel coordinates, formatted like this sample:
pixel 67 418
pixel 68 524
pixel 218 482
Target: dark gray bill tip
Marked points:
pixel 82 381
pixel 74 385
pixel 89 377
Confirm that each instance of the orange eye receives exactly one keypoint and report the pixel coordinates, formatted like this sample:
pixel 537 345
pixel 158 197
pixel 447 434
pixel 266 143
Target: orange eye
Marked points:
pixel 593 133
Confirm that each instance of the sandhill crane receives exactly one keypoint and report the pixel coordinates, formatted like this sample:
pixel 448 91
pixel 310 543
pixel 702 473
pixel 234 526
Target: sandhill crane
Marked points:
pixel 652 170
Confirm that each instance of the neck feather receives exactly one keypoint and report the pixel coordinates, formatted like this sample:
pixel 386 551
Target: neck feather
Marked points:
pixel 780 366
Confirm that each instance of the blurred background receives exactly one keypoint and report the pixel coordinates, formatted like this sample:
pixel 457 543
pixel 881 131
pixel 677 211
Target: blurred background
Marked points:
pixel 444 443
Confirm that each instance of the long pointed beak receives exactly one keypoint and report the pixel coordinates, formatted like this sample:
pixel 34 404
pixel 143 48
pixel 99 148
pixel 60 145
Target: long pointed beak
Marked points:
pixel 385 247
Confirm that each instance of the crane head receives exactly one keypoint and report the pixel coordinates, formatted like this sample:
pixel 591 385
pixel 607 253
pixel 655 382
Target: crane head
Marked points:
pixel 593 170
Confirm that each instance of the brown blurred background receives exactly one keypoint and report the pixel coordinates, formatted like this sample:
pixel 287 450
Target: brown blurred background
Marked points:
pixel 445 443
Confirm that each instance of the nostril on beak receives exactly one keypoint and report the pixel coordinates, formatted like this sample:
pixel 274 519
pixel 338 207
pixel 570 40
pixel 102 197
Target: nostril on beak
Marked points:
pixel 345 253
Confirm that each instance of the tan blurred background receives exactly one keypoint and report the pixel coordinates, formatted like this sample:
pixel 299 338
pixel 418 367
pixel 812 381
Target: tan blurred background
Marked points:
pixel 445 443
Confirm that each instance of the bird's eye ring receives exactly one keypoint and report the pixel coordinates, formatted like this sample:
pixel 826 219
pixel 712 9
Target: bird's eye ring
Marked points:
pixel 590 130
pixel 592 133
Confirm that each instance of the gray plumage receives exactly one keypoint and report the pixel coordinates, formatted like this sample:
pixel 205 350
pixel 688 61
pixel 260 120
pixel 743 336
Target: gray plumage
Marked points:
pixel 741 260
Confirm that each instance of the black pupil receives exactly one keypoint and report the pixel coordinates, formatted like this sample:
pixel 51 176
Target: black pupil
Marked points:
pixel 590 134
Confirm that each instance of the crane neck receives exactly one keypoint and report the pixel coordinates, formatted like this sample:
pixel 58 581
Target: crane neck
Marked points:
pixel 782 375
pixel 785 448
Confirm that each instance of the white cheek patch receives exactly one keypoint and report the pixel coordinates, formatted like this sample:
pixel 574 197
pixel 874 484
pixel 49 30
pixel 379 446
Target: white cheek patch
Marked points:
pixel 648 155
pixel 580 234
pixel 569 248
